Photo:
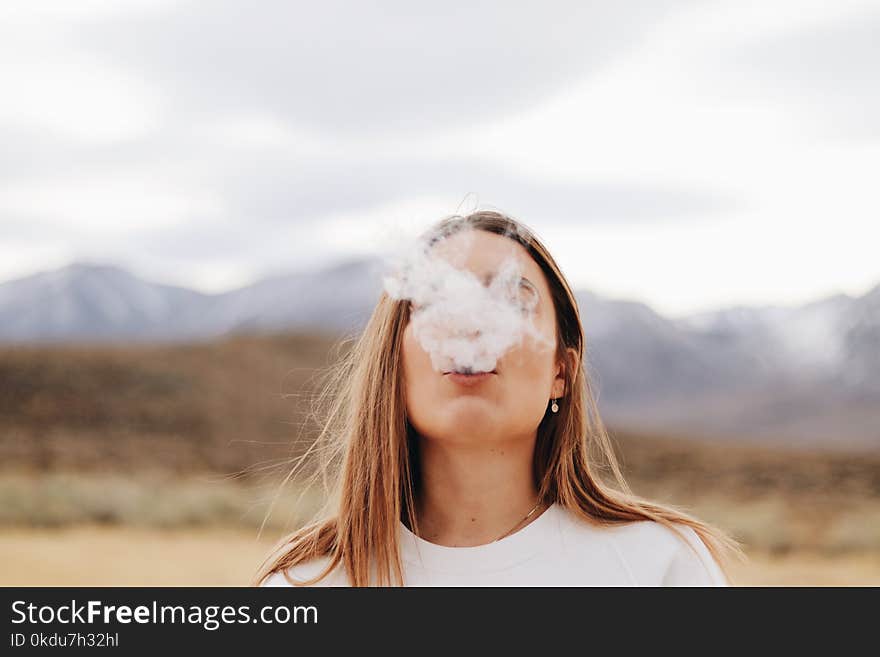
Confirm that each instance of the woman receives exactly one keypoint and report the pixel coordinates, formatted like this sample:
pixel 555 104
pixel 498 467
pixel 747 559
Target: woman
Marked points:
pixel 489 478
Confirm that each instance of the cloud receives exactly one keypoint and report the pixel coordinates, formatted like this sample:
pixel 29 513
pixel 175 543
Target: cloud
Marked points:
pixel 275 189
pixel 236 217
pixel 382 67
pixel 49 84
pixel 223 139
pixel 829 70
pixel 282 189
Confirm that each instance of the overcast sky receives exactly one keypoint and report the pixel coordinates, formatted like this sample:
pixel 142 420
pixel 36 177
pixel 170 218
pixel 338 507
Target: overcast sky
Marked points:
pixel 689 154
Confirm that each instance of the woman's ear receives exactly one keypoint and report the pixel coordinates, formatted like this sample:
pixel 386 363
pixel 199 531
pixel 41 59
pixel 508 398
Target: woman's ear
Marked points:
pixel 563 365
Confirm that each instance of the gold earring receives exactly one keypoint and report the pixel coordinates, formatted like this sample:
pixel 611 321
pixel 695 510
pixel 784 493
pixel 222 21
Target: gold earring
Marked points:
pixel 554 407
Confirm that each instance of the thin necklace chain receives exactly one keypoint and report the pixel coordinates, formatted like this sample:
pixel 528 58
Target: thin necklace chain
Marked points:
pixel 512 529
pixel 528 515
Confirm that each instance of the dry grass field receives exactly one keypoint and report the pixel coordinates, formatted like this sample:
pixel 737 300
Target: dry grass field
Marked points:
pixel 160 464
pixel 130 556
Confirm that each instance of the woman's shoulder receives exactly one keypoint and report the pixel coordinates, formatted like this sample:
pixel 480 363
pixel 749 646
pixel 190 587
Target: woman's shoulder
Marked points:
pixel 654 554
pixel 658 556
pixel 304 571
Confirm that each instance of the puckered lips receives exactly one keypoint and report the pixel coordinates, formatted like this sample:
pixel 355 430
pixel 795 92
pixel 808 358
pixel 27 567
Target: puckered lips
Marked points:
pixel 467 376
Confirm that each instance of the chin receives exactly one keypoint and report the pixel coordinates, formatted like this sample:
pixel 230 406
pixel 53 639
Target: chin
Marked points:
pixel 466 421
pixel 471 420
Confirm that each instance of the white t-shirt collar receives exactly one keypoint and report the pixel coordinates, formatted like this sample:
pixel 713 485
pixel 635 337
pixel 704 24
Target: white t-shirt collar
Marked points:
pixel 499 555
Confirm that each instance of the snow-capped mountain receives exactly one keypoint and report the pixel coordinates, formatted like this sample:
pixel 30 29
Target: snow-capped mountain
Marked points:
pixel 338 298
pixel 92 302
pixel 99 302
pixel 836 338
pixel 808 373
pixel 636 352
pixel 860 364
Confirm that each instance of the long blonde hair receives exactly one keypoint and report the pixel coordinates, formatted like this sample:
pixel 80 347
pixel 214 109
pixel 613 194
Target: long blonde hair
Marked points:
pixel 370 455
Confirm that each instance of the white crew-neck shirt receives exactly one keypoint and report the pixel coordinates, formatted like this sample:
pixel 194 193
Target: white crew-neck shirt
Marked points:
pixel 558 548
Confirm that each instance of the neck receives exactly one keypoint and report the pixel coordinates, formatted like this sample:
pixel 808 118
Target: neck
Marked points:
pixel 473 494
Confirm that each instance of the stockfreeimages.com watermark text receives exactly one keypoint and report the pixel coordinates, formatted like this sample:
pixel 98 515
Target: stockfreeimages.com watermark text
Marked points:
pixel 211 617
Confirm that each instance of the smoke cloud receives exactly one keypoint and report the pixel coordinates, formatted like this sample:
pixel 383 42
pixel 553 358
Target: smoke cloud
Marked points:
pixel 465 324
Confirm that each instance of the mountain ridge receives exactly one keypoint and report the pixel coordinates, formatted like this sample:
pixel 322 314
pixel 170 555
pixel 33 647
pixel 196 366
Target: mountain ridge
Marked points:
pixel 806 372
